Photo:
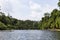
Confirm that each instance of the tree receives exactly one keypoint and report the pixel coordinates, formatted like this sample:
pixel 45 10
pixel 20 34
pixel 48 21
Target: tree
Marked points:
pixel 2 26
pixel 47 14
pixel 2 14
pixel 59 4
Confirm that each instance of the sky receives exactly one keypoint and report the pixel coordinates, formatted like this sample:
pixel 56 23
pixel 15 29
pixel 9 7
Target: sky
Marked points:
pixel 27 9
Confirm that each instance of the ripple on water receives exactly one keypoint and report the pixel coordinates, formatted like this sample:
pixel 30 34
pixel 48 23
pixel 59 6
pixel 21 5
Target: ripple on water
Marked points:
pixel 29 35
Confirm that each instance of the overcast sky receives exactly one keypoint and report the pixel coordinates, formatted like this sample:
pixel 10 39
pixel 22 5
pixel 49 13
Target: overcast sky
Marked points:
pixel 28 9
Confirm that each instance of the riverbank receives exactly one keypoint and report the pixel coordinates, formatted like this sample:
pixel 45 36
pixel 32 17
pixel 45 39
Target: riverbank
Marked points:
pixel 54 29
pixel 42 30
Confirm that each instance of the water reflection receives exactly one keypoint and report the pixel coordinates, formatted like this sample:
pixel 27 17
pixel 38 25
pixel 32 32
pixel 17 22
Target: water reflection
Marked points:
pixel 29 35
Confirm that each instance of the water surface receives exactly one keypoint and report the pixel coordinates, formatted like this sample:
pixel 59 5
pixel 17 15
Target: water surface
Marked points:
pixel 29 35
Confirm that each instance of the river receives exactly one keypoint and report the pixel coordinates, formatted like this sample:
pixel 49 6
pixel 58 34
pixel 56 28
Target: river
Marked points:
pixel 29 35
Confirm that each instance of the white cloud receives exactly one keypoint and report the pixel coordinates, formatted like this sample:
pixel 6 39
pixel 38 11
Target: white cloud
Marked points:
pixel 19 9
pixel 2 5
pixel 1 2
pixel 34 6
pixel 37 10
pixel 48 8
pixel 28 9
pixel 16 8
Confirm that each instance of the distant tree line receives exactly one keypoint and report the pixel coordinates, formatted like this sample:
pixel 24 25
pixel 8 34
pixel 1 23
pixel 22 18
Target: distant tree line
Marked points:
pixel 7 23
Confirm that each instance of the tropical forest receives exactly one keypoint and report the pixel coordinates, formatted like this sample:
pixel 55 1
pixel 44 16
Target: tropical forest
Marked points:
pixel 49 21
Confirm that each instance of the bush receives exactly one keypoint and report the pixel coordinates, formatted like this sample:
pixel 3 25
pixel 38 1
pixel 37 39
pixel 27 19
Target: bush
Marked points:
pixel 2 26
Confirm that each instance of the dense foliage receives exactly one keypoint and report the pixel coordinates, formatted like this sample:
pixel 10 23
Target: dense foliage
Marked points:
pixel 51 21
pixel 7 22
